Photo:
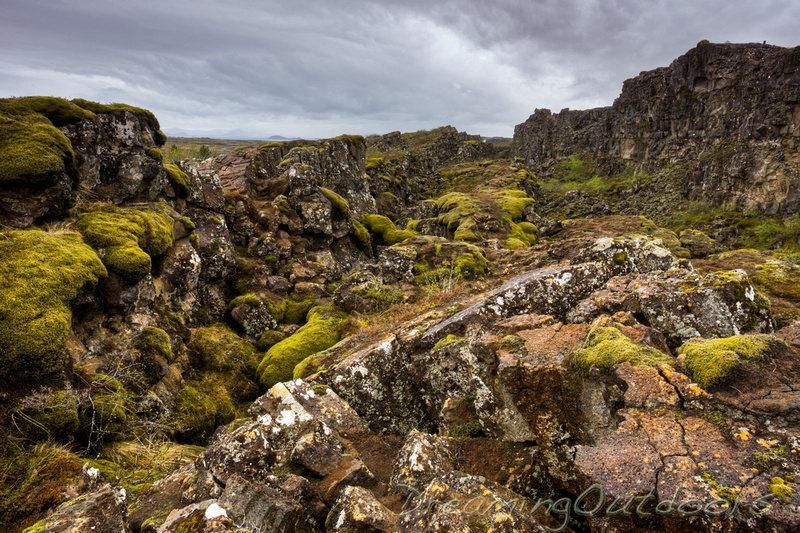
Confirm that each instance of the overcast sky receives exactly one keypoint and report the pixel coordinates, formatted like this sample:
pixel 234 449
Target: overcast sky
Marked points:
pixel 320 68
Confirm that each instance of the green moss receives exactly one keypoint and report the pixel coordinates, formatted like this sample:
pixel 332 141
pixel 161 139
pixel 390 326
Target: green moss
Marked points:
pixel 514 202
pixel 316 335
pixel 268 146
pixel 620 257
pixel 40 274
pixel 219 348
pixel 467 231
pixel 361 234
pixel 249 299
pixel 720 421
pixel 339 204
pixel 44 109
pixel 446 341
pixel 155 339
pixel 160 138
pixel 32 154
pixel 725 493
pixel 524 232
pixel 385 228
pixel 779 488
pixel 56 418
pixel 179 179
pixel 471 265
pixel 291 311
pixel 95 107
pixel 269 339
pixel 130 238
pixel 711 362
pixel 155 154
pixel 320 390
pixel 467 430
pixel 606 346
pixel 202 406
pixel 188 225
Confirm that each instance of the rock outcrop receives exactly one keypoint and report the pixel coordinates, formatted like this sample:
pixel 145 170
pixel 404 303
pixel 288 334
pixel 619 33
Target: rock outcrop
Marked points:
pixel 726 116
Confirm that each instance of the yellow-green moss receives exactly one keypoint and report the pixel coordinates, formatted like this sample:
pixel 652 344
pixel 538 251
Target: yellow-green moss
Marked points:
pixel 710 362
pixel 130 238
pixel 291 311
pixel 40 274
pixel 218 347
pixel 523 233
pixel 179 180
pixel 32 154
pixel 201 406
pixel 155 339
pixel 316 335
pixel 269 339
pixel 250 299
pixel 361 234
pixel 320 390
pixel 471 265
pixel 159 137
pixel 446 341
pixel 514 202
pixel 467 231
pixel 339 204
pixel 44 109
pixel 605 347
pixel 385 229
pixel 95 107
pixel 779 488
pixel 56 418
pixel 467 430
pixel 725 493
pixel 154 153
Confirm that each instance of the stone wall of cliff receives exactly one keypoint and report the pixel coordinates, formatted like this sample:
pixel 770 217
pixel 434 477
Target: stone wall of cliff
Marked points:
pixel 727 114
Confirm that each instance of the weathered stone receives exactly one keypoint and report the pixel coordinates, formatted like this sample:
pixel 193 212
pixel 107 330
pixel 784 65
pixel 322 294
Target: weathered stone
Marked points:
pixel 357 509
pixel 103 510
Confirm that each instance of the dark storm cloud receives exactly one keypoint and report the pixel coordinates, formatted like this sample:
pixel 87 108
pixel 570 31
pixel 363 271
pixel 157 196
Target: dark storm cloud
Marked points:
pixel 320 68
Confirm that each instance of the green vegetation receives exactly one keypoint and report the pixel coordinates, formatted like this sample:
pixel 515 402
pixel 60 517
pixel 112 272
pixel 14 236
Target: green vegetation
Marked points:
pixel 155 154
pixel 32 154
pixel 40 274
pixel 249 299
pixel 779 488
pixel 54 417
pixel 319 333
pixel 446 341
pixel 44 110
pixel 340 205
pixel 33 482
pixel 155 339
pixel 97 108
pixel 130 238
pixel 292 310
pixel 711 362
pixel 467 430
pixel 361 234
pixel 725 493
pixel 605 347
pixel 201 406
pixel 584 174
pixel 179 180
pixel 219 348
pixel 385 229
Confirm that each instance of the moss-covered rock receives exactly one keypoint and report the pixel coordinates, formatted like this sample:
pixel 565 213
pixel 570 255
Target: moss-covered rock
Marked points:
pixel 155 339
pixel 710 362
pixel 32 154
pixel 385 229
pixel 605 347
pixel 202 406
pixel 45 109
pixel 269 338
pixel 179 180
pixel 339 204
pixel 291 310
pixel 316 335
pixel 54 417
pixel 219 348
pixel 130 238
pixel 40 274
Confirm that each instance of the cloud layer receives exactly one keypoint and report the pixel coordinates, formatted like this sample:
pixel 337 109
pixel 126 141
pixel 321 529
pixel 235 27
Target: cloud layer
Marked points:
pixel 321 68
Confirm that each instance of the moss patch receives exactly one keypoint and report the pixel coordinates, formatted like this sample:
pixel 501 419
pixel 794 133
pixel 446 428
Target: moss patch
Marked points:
pixel 155 339
pixel 202 406
pixel 317 334
pixel 250 299
pixel 129 237
pixel 385 229
pixel 40 274
pixel 339 204
pixel 711 362
pixel 605 347
pixel 446 341
pixel 32 154
pixel 179 179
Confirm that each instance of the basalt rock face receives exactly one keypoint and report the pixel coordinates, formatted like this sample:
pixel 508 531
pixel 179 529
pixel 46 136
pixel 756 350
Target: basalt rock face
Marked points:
pixel 727 114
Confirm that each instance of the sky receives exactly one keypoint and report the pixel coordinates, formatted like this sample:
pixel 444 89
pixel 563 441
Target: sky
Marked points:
pixel 251 69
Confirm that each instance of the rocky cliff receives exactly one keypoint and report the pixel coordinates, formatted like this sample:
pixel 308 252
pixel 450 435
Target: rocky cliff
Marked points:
pixel 726 115
pixel 378 334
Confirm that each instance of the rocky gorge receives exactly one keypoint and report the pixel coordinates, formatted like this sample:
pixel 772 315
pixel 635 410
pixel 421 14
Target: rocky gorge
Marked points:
pixel 594 328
